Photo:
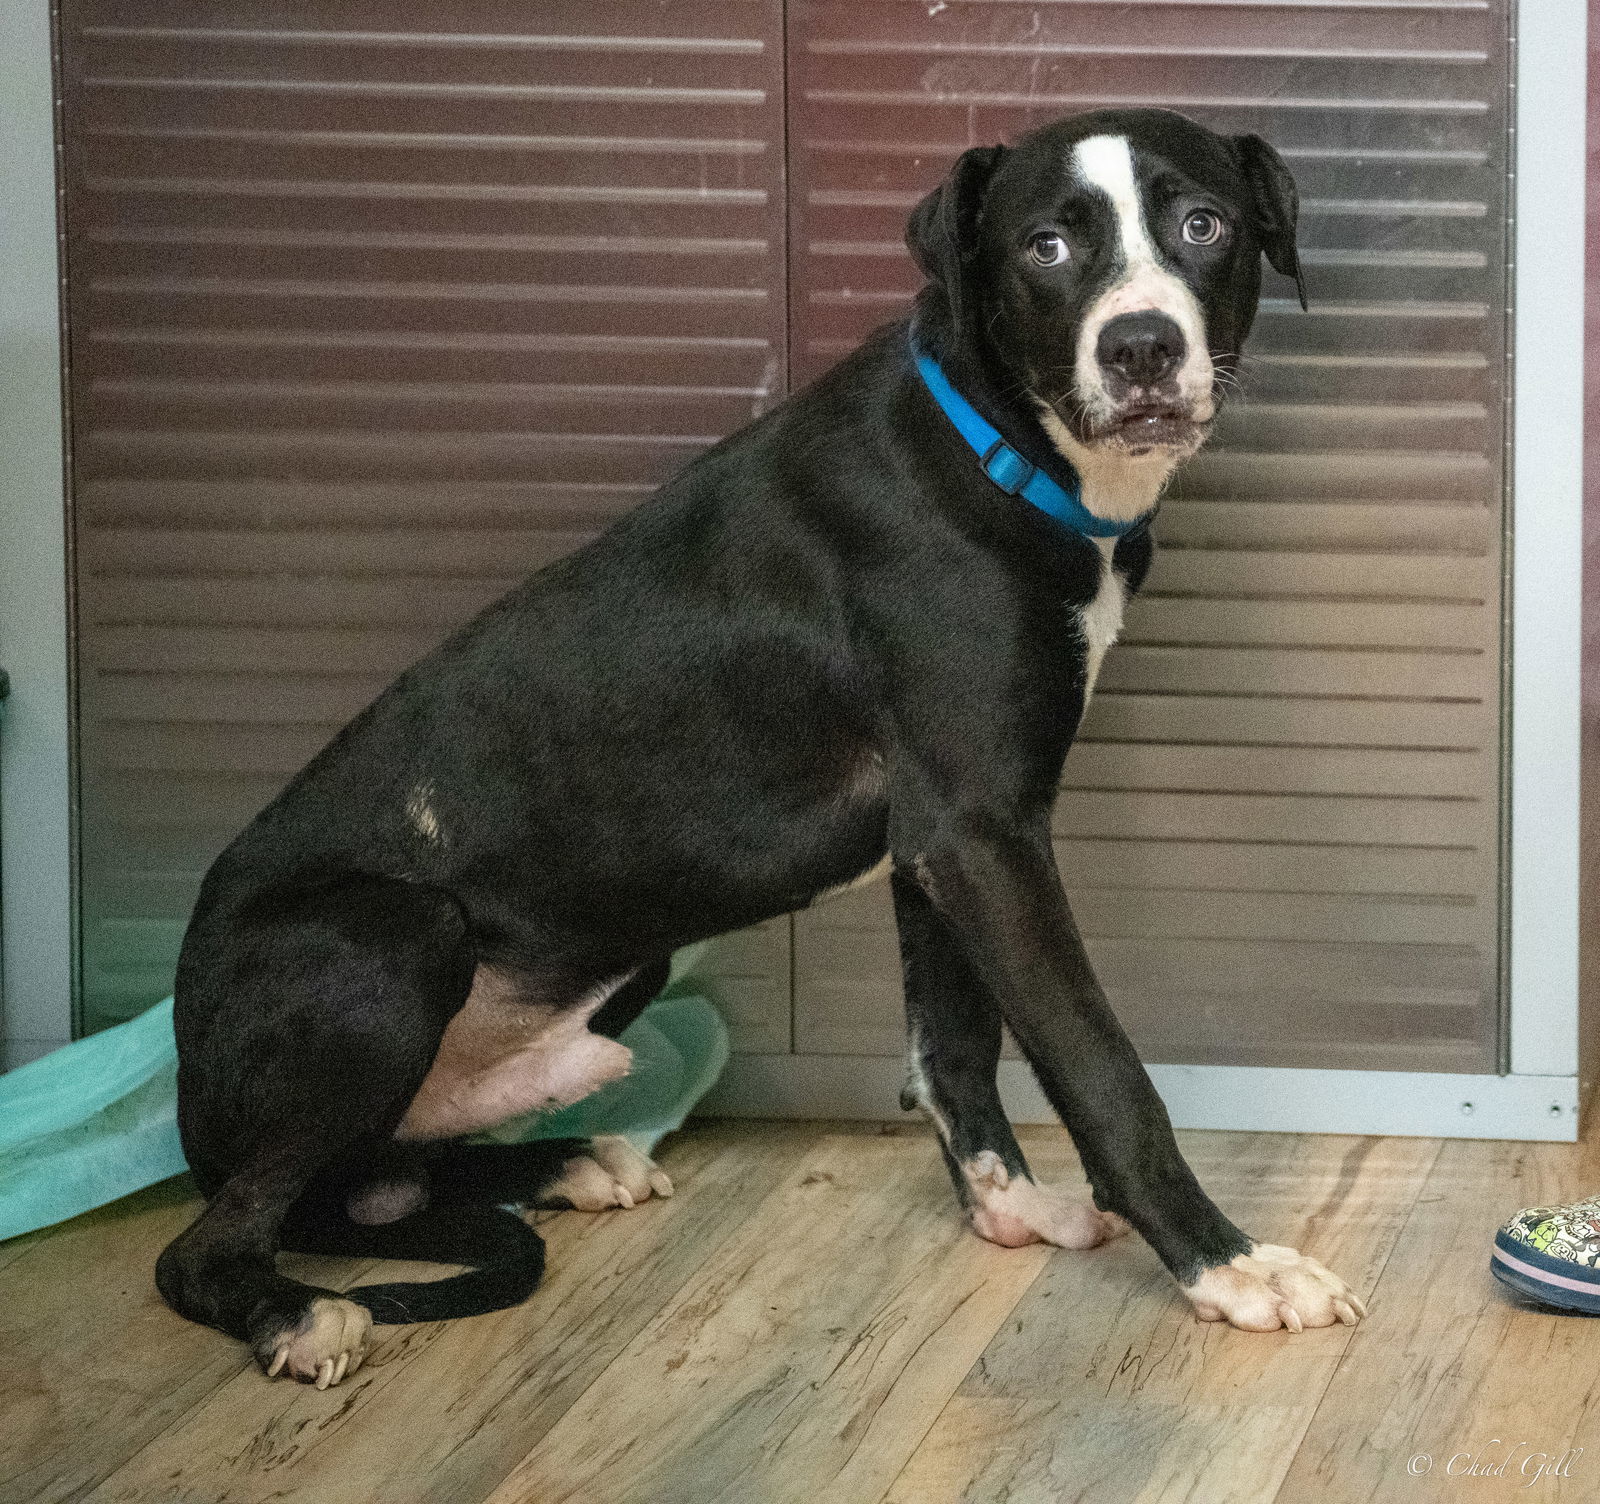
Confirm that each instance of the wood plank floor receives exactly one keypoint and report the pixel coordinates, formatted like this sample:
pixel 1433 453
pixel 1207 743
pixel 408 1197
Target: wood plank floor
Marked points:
pixel 806 1320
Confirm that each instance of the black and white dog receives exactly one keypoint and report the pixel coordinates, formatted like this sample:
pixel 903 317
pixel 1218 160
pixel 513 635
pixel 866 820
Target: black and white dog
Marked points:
pixel 856 637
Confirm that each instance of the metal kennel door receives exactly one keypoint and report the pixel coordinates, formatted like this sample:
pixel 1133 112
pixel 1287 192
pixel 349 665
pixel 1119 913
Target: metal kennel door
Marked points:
pixel 373 308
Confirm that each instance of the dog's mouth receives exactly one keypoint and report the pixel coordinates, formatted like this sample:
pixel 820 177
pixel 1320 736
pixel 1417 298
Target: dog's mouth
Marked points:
pixel 1142 428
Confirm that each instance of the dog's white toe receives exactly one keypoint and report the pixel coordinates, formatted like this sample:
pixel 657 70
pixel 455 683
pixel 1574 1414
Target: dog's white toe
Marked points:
pixel 613 1174
pixel 1272 1287
pixel 1012 1210
pixel 329 1343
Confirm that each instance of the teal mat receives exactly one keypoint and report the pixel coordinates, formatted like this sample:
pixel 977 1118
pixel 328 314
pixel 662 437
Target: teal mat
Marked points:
pixel 97 1119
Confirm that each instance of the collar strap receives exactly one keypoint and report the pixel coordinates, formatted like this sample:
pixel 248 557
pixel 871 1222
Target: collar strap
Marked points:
pixel 1008 470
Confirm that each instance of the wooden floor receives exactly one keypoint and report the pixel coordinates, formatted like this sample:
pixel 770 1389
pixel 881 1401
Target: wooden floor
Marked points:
pixel 807 1321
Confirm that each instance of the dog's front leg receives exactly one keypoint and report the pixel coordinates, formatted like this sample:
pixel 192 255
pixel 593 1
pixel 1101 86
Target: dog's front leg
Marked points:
pixel 1001 895
pixel 953 1050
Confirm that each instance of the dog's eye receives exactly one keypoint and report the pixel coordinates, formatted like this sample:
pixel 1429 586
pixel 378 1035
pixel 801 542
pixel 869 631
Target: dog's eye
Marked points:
pixel 1047 249
pixel 1202 228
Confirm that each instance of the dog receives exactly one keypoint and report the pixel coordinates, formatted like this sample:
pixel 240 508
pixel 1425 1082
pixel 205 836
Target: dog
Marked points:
pixel 854 639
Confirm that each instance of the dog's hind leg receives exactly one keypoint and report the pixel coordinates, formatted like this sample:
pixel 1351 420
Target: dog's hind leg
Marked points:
pixel 305 1023
pixel 954 1026
pixel 584 1174
pixel 590 1175
pixel 607 1171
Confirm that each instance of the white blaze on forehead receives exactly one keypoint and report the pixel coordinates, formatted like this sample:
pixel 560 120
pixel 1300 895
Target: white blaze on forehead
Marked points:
pixel 1106 163
pixel 1140 284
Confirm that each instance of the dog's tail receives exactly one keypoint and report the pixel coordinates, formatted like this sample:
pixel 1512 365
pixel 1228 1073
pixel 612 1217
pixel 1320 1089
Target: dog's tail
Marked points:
pixel 505 1258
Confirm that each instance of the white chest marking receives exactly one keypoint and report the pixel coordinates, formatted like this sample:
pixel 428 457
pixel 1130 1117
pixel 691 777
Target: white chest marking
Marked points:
pixel 1101 619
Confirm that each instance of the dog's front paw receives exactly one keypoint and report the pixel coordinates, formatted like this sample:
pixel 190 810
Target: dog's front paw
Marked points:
pixel 1012 1210
pixel 1272 1287
pixel 612 1174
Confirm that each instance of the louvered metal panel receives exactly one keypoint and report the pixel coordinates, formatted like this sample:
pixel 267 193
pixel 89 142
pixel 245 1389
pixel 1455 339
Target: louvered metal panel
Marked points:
pixel 374 308
pixel 1280 829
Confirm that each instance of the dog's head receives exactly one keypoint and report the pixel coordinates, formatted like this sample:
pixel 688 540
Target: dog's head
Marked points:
pixel 1106 271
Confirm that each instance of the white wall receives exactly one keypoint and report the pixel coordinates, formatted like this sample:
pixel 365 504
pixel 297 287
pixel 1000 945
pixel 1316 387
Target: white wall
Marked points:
pixel 35 827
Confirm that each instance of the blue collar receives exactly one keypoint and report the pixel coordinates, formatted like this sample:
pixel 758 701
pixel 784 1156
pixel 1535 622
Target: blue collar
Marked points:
pixel 1013 474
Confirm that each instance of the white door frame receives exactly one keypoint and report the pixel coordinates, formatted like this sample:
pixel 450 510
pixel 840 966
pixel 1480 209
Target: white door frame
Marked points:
pixel 1547 554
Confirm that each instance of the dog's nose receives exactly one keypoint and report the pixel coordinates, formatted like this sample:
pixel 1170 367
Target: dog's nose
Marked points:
pixel 1142 348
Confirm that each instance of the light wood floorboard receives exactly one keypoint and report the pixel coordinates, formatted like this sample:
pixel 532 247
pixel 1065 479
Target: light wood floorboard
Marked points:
pixel 806 1320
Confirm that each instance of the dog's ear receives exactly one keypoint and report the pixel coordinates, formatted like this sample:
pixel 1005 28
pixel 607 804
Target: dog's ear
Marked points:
pixel 1277 206
pixel 942 231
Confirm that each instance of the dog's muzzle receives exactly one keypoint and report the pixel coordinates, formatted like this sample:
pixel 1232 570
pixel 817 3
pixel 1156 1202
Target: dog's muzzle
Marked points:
pixel 1140 357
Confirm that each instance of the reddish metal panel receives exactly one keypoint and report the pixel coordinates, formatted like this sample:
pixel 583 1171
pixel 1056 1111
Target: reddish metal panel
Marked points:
pixel 373 308
pixel 369 316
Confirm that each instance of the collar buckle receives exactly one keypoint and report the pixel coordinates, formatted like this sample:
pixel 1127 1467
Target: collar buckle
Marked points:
pixel 1006 468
